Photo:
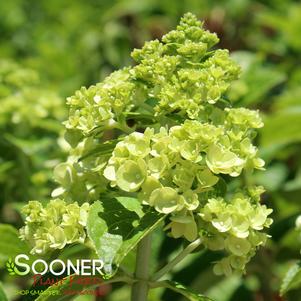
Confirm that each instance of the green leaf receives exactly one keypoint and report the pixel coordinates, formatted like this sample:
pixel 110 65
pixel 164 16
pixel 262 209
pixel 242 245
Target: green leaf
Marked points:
pixel 260 81
pixel 179 288
pixel 282 226
pixel 295 183
pixel 220 188
pixel 103 149
pixel 281 129
pixel 288 100
pixel 139 116
pixel 256 80
pixel 10 243
pixel 29 147
pixel 273 177
pixel 225 288
pixel 292 279
pixel 115 227
pixel 2 293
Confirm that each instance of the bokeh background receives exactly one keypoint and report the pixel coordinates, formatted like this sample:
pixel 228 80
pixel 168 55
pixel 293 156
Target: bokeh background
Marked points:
pixel 49 49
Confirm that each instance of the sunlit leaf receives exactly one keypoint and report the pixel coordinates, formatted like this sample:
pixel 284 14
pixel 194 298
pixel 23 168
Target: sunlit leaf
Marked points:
pixel 115 227
pixel 292 279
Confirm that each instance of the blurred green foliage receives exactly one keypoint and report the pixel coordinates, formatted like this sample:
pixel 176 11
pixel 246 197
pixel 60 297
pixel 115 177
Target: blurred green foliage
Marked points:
pixel 48 49
pixel 30 125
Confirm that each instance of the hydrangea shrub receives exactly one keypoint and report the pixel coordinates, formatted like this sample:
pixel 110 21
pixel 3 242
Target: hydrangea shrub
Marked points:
pixel 30 124
pixel 162 132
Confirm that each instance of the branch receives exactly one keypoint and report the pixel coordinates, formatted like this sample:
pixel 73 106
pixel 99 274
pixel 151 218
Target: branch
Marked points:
pixel 140 287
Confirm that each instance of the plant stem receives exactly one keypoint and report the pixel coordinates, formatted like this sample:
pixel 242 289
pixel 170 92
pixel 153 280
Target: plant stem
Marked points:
pixel 140 287
pixel 191 247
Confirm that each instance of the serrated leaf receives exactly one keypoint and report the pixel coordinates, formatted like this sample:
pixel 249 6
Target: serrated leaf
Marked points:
pixel 115 227
pixel 292 279
pixel 181 289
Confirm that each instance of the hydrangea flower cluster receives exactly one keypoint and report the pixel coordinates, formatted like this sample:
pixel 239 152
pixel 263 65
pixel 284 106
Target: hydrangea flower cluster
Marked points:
pixel 23 102
pixel 162 132
pixel 178 76
pixel 102 106
pixel 174 170
pixel 234 225
pixel 55 225
pixel 184 160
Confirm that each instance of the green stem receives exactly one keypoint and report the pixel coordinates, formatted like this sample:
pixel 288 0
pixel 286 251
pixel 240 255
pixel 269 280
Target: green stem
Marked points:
pixel 246 178
pixel 140 287
pixel 190 248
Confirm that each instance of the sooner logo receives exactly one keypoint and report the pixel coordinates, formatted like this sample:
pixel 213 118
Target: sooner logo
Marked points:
pixel 57 267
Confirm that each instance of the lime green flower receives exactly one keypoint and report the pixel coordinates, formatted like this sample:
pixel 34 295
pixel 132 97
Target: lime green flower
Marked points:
pixel 242 204
pixel 213 208
pixel 183 176
pixel 223 267
pixel 109 173
pixel 191 200
pixel 234 224
pixel 131 175
pixel 149 185
pixel 158 165
pixel 237 262
pixel 32 210
pixel 298 222
pixel 55 225
pixel 83 214
pixel 206 179
pixel 183 226
pixel 214 242
pixel 190 151
pixel 258 218
pixel 137 144
pixel 166 200
pixel 223 222
pixel 237 246
pixel 221 160
pixel 41 247
pixel 258 163
pixel 240 226
pixel 257 238
pixel 244 117
pixel 57 237
pixel 162 131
